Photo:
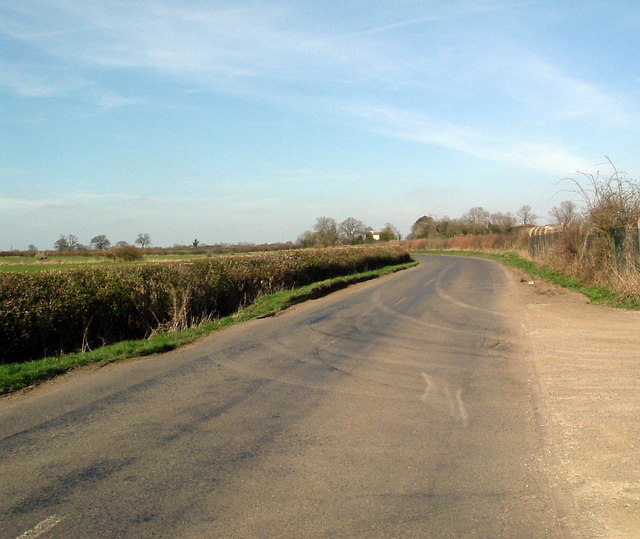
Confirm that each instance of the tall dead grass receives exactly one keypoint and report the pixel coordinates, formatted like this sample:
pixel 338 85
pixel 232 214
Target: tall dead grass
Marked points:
pixel 595 259
pixel 480 242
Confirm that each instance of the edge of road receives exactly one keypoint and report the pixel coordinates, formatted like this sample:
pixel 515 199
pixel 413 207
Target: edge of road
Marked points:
pixel 16 377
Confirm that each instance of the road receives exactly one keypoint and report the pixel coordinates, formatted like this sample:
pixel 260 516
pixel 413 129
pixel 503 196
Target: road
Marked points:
pixel 401 407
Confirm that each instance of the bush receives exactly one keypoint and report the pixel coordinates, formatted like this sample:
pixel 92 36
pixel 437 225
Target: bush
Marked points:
pixel 127 253
pixel 612 202
pixel 57 312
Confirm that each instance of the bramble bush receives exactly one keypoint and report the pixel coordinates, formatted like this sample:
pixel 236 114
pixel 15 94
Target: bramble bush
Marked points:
pixel 48 313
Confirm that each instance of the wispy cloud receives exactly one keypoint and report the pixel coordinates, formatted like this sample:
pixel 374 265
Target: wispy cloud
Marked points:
pixel 448 11
pixel 407 125
pixel 218 45
pixel 274 51
pixel 108 100
pixel 544 89
pixel 67 202
pixel 29 80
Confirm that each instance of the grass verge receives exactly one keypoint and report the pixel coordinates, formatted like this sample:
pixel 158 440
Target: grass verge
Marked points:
pixel 600 295
pixel 15 376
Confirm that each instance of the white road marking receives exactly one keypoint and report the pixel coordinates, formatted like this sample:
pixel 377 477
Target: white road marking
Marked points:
pixel 400 301
pixel 452 405
pixel 429 385
pixel 440 291
pixel 462 408
pixel 43 527
pixel 441 394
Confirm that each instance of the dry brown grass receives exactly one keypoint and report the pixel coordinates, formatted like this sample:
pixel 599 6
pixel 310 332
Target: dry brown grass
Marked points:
pixel 594 259
pixel 469 242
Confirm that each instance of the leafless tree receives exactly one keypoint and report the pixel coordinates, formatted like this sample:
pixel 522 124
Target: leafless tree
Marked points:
pixel 326 230
pixel 565 214
pixel 306 239
pixel 478 217
pixel 352 230
pixel 389 232
pixel 62 244
pixel 68 243
pixel 143 240
pixel 501 222
pixel 100 242
pixel 611 201
pixel 526 216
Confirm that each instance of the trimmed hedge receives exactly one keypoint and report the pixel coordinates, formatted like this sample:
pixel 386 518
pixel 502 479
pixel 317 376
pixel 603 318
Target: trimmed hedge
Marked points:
pixel 48 313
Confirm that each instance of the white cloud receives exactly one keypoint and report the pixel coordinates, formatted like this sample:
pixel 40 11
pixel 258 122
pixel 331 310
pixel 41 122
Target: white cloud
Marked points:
pixel 448 11
pixel 276 51
pixel 551 92
pixel 30 81
pixel 204 43
pixel 72 201
pixel 108 100
pixel 407 125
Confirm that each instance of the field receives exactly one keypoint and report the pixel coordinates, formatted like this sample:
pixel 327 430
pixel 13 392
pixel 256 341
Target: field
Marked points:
pixel 61 262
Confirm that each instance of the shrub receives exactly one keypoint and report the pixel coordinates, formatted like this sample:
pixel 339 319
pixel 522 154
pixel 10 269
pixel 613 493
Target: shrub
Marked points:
pixel 54 312
pixel 127 253
pixel 612 202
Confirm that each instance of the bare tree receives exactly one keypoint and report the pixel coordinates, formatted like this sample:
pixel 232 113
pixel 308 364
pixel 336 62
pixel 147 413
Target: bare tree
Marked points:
pixel 565 214
pixel 526 216
pixel 143 240
pixel 100 242
pixel 611 201
pixel 389 232
pixel 352 231
pixel 477 216
pixel 501 222
pixel 475 221
pixel 326 230
pixel 74 243
pixel 61 244
pixel 68 243
pixel 306 239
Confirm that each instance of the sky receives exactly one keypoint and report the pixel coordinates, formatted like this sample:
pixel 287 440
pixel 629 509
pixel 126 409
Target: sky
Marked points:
pixel 244 121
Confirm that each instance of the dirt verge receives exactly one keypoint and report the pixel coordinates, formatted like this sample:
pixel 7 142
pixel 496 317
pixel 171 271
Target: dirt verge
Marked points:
pixel 586 365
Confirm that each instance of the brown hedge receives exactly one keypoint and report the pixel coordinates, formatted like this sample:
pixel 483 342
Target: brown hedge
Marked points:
pixel 58 312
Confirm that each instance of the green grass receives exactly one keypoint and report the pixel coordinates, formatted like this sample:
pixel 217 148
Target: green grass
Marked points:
pixel 17 376
pixel 600 295
pixel 55 263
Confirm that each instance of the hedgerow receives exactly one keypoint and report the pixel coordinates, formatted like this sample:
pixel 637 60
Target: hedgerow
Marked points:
pixel 63 311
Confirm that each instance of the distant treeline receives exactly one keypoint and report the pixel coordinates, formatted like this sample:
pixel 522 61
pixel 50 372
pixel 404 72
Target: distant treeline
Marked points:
pixel 218 248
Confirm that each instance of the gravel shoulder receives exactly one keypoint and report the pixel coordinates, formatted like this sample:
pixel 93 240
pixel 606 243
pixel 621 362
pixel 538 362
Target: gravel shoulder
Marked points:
pixel 585 365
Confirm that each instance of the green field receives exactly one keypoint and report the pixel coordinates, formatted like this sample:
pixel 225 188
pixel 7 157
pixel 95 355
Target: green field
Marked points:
pixel 54 263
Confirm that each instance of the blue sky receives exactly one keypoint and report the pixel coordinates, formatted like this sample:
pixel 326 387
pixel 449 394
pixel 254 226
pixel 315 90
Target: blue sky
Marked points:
pixel 244 121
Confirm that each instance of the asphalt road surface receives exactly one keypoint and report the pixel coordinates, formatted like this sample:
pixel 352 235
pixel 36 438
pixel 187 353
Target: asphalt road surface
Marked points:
pixel 397 408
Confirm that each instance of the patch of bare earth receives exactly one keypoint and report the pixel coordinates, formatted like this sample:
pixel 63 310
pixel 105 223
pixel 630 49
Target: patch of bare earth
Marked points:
pixel 586 385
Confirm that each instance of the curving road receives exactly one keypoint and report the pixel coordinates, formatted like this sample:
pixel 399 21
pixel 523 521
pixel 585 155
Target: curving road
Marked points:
pixel 397 408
